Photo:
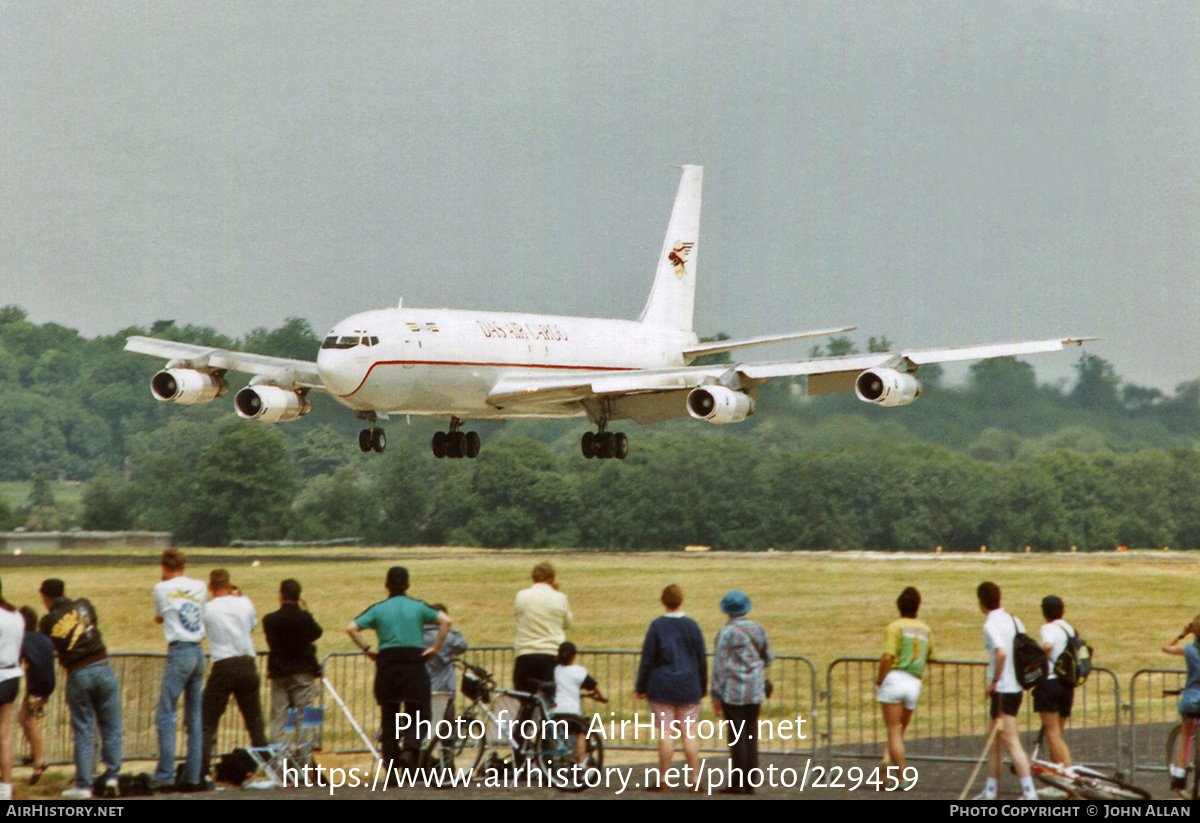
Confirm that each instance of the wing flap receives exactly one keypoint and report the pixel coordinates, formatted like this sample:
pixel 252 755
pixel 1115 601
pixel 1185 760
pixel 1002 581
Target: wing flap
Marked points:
pixel 730 345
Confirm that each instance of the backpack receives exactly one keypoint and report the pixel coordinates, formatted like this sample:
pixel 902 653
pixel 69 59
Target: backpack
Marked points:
pixel 1029 658
pixel 1075 663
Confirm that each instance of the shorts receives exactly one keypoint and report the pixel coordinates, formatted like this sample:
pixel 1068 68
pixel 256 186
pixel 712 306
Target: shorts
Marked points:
pixel 1008 703
pixel 575 723
pixel 1054 696
pixel 675 722
pixel 900 687
pixel 9 689
pixel 34 705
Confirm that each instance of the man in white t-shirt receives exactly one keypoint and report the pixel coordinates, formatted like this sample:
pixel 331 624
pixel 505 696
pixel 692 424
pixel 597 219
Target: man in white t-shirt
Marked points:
pixel 179 607
pixel 1053 697
pixel 229 618
pixel 1004 690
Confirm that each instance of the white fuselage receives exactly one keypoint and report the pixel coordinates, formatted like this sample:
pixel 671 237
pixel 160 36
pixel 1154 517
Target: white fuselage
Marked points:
pixel 445 362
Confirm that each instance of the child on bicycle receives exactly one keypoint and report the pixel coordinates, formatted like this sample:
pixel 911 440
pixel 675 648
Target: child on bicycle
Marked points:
pixel 1189 699
pixel 570 679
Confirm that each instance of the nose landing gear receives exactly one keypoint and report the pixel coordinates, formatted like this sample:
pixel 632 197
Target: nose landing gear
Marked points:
pixel 372 439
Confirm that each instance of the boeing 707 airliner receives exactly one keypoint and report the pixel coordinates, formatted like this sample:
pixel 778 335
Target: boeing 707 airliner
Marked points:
pixel 479 365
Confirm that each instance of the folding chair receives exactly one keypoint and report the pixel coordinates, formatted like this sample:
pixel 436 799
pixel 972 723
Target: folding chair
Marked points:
pixel 293 753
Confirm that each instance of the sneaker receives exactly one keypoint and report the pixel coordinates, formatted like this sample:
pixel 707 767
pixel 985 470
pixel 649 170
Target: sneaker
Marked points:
pixel 112 787
pixel 985 795
pixel 161 787
pixel 1030 795
pixel 5 791
pixel 1179 786
pixel 77 793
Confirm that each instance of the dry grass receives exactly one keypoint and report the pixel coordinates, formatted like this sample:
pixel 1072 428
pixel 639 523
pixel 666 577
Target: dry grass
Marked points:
pixel 823 606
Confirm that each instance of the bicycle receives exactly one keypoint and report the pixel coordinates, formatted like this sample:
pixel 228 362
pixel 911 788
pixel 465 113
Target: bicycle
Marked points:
pixel 1191 756
pixel 494 714
pixel 439 752
pixel 1082 781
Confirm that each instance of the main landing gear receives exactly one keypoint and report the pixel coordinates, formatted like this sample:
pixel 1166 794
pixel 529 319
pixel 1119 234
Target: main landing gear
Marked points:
pixel 455 443
pixel 372 439
pixel 604 444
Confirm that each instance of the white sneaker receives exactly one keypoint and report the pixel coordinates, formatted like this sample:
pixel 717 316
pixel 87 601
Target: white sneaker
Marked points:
pixel 112 787
pixel 1052 793
pixel 1030 796
pixel 985 795
pixel 5 791
pixel 76 793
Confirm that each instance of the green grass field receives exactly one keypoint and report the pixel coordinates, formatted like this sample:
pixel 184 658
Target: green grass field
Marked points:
pixel 823 606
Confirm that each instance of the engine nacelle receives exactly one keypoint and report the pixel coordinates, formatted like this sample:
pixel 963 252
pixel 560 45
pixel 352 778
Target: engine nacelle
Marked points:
pixel 717 404
pixel 270 404
pixel 887 387
pixel 187 386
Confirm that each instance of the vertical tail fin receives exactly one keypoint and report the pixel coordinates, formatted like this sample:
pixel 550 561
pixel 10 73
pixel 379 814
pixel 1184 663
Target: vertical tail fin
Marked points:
pixel 673 295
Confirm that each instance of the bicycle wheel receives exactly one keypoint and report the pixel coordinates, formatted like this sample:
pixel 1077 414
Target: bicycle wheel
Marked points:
pixel 595 751
pixel 1053 775
pixel 1108 788
pixel 556 754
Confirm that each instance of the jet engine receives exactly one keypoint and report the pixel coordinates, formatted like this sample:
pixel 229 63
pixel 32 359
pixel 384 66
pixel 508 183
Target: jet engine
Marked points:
pixel 270 404
pixel 717 404
pixel 187 386
pixel 887 387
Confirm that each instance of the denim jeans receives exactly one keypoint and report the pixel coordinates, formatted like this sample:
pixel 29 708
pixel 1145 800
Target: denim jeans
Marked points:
pixel 184 675
pixel 93 696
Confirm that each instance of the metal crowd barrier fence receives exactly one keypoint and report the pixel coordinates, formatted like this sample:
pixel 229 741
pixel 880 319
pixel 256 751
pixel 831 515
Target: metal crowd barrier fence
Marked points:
pixel 795 696
pixel 1152 715
pixel 140 678
pixel 951 720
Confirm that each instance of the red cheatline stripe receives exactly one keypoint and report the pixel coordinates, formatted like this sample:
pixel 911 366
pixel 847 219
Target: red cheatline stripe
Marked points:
pixel 457 363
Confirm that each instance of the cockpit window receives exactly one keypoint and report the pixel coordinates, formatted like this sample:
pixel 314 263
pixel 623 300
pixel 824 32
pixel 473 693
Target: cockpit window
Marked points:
pixel 374 341
pixel 343 342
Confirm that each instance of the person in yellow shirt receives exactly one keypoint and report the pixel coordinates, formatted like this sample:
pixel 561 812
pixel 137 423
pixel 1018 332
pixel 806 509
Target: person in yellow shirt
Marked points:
pixel 908 646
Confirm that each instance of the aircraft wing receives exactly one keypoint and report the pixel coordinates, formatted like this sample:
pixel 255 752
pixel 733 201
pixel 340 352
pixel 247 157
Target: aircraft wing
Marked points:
pixel 825 374
pixel 283 372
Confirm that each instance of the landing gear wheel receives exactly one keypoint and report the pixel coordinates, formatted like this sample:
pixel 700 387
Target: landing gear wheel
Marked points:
pixel 587 444
pixel 364 440
pixel 439 445
pixel 620 445
pixel 472 445
pixel 378 440
pixel 605 445
pixel 456 444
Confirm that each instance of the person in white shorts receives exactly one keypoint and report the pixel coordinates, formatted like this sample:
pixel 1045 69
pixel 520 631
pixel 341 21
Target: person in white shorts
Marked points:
pixel 908 645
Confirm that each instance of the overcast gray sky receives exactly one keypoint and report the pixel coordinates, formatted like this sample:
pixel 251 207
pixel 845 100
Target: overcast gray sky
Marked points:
pixel 941 173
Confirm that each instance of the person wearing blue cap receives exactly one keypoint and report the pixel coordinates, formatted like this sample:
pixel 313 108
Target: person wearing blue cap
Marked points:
pixel 741 656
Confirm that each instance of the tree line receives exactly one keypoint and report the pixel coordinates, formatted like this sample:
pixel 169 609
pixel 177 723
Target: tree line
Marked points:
pixel 1000 461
